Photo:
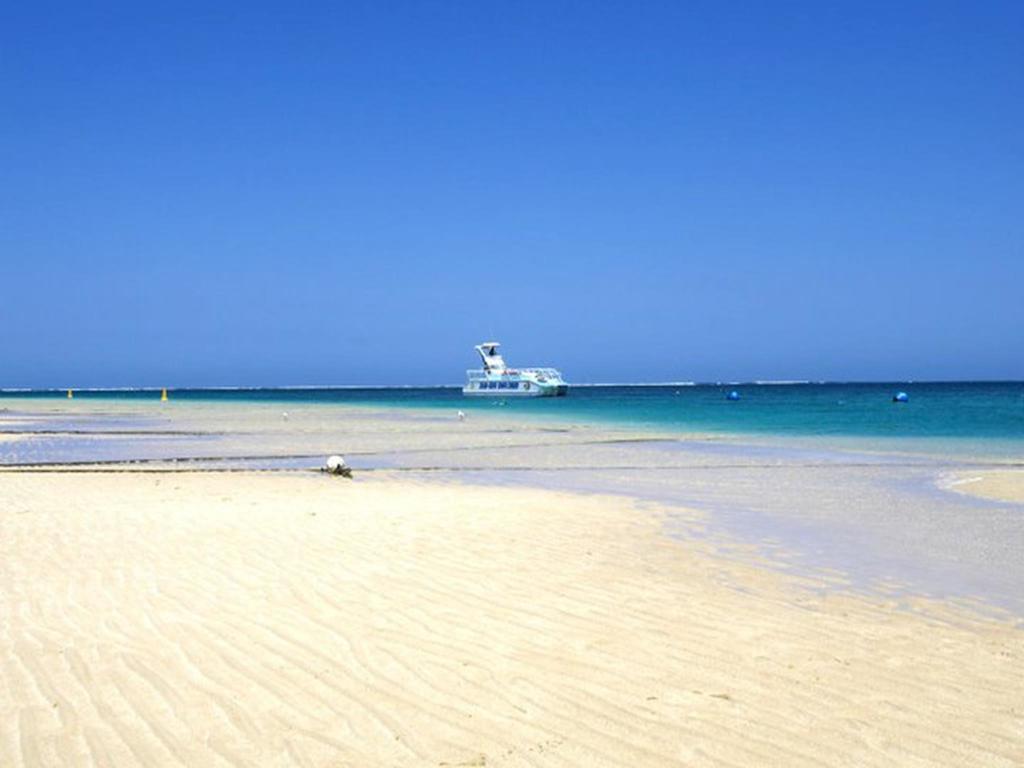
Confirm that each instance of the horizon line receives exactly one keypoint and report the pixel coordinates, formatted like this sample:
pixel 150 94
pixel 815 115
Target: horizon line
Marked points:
pixel 651 384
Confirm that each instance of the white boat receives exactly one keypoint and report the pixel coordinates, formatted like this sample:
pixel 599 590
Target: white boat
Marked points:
pixel 496 380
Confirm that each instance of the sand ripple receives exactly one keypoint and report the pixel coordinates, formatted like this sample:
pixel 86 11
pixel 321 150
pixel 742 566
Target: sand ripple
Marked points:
pixel 269 620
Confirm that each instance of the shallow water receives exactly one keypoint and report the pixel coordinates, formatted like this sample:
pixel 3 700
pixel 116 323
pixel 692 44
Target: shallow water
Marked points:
pixel 966 418
pixel 865 513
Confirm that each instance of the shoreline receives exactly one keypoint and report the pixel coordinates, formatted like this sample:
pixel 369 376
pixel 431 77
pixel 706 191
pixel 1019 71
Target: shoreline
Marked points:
pixel 813 508
pixel 987 450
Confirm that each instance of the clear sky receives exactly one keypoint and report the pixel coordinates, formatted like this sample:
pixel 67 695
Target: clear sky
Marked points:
pixel 302 193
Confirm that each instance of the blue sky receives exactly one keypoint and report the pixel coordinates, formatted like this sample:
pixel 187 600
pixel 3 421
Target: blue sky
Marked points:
pixel 359 192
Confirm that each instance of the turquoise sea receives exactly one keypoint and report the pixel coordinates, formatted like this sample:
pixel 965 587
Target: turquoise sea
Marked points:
pixel 978 412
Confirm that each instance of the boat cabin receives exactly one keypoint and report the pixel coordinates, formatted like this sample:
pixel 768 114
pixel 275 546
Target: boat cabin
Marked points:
pixel 493 362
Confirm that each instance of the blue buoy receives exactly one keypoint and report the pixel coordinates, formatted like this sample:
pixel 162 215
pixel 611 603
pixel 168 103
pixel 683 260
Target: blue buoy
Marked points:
pixel 734 395
pixel 901 397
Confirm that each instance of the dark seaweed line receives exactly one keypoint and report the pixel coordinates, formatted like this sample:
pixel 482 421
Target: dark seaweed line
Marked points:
pixel 116 432
pixel 268 457
pixel 129 467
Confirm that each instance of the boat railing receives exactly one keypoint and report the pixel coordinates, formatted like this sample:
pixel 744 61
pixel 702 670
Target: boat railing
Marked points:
pixel 547 373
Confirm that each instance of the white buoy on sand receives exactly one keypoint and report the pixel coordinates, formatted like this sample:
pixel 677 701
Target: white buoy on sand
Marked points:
pixel 285 415
pixel 462 416
pixel 335 465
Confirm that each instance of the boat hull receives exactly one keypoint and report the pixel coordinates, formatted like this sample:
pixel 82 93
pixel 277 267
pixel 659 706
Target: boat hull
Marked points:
pixel 551 392
pixel 534 391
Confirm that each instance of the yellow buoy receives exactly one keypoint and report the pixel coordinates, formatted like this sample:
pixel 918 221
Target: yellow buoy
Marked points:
pixel 163 395
pixel 70 394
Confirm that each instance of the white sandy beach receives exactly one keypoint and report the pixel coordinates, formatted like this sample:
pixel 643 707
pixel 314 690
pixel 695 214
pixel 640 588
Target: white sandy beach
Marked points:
pixel 272 620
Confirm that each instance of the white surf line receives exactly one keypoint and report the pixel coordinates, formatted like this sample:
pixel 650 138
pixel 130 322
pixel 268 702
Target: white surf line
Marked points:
pixel 965 481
